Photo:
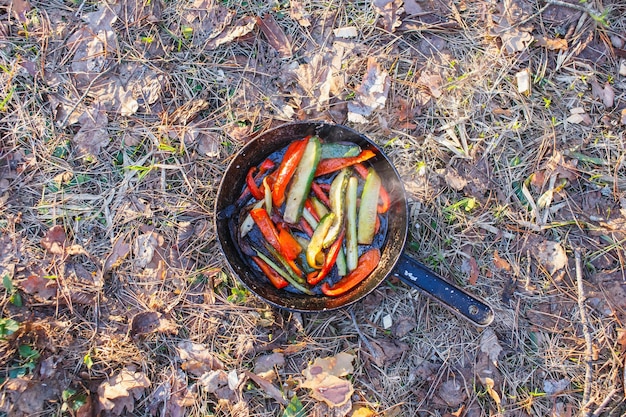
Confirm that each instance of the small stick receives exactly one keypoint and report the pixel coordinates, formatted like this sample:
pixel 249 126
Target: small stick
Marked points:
pixel 362 336
pixel 586 333
pixel 605 402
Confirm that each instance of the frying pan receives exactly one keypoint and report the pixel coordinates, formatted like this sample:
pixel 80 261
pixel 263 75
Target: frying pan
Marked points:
pixel 393 259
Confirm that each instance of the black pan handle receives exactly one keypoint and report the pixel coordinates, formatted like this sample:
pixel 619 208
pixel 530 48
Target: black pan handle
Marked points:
pixel 433 285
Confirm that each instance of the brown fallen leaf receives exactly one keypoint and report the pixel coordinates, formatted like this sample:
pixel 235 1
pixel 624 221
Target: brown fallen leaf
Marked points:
pixel 452 392
pixel 270 389
pixel 119 251
pixel 500 263
pixel 240 28
pixel 197 359
pixel 403 325
pixel 275 35
pixel 331 389
pixel 549 255
pixel 470 267
pixel 120 392
pixel 20 10
pixel 390 11
pixel 490 345
pixel 219 383
pixel 267 363
pixel 371 94
pixel 93 134
pixel 298 12
pixel 151 322
pixel 37 285
pixel 578 116
pixel 54 240
pixel 338 365
pixel 553 44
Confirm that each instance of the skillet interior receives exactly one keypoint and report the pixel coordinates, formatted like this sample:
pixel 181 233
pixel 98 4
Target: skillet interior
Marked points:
pixel 230 189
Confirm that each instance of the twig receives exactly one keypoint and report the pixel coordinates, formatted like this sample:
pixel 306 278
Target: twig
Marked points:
pixel 589 10
pixel 605 402
pixel 586 333
pixel 362 336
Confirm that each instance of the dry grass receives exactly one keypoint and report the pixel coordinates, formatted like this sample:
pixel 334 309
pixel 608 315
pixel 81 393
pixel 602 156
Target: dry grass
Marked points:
pixel 152 177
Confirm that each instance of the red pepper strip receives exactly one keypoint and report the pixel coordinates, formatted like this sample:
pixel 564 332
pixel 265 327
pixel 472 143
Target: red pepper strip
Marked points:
pixel 329 261
pixel 306 227
pixel 254 189
pixel 276 280
pixel 326 166
pixel 367 263
pixel 384 196
pixel 265 224
pixel 377 225
pixel 309 206
pixel 319 193
pixel 286 170
pixel 266 166
pixel 290 248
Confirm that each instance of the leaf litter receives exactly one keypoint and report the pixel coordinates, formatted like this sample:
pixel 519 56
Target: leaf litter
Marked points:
pixel 186 84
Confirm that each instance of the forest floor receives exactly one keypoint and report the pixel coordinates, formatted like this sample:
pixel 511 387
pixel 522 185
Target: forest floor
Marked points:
pixel 504 118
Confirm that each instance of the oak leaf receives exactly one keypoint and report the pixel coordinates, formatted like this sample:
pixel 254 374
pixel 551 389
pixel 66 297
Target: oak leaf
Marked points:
pixel 120 392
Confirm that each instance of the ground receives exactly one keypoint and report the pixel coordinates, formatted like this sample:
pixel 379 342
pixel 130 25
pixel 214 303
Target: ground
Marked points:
pixel 505 120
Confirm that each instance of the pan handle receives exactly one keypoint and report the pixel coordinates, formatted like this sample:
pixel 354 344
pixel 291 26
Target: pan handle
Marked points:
pixel 433 285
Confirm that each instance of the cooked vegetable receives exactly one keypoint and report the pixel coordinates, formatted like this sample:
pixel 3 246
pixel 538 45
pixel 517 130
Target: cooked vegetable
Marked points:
pixel 316 277
pixel 337 205
pixel 286 170
pixel 352 245
pixel 265 224
pixel 282 273
pixel 335 164
pixel 340 150
pixel 274 277
pixel 367 263
pixel 368 210
pixel 383 205
pixel 314 254
pixel 302 179
pixel 254 189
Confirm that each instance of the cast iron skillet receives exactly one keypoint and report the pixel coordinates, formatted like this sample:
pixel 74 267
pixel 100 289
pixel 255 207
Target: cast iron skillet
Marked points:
pixel 393 259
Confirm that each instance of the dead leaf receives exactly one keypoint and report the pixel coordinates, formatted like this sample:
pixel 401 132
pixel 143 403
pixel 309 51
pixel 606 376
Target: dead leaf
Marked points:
pixel 490 345
pixel 240 28
pixel 489 384
pixel 388 351
pixel 371 94
pixel 268 388
pixel 454 180
pixel 120 392
pixel 151 322
pixel 452 392
pixel 275 35
pixel 609 95
pixel 523 81
pixel 339 365
pixel 217 382
pixel 390 11
pixel 553 44
pixel 623 118
pixel 54 240
pixel 412 7
pixel 500 263
pixel 331 389
pixel 578 116
pixel 470 268
pixel 549 255
pixel 346 32
pixel 363 412
pixel 93 134
pixel 197 359
pixel 514 39
pixel 298 12
pixel 43 288
pixel 403 325
pixel 553 387
pixel 20 9
pixel 119 251
pixel 266 364
pixel 144 248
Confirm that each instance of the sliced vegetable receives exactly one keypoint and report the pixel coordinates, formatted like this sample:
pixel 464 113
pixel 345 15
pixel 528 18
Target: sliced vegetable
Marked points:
pixel 342 269
pixel 320 207
pixel 314 254
pixel 367 263
pixel 320 193
pixel 352 245
pixel 288 244
pixel 337 205
pixel 267 195
pixel 286 170
pixel 265 224
pixel 274 277
pixel 326 166
pixel 250 182
pixel 282 273
pixel 309 218
pixel 292 268
pixel 308 205
pixel 302 179
pixel 340 150
pixel 368 210
pixel 383 206
pixel 247 224
pixel 329 262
